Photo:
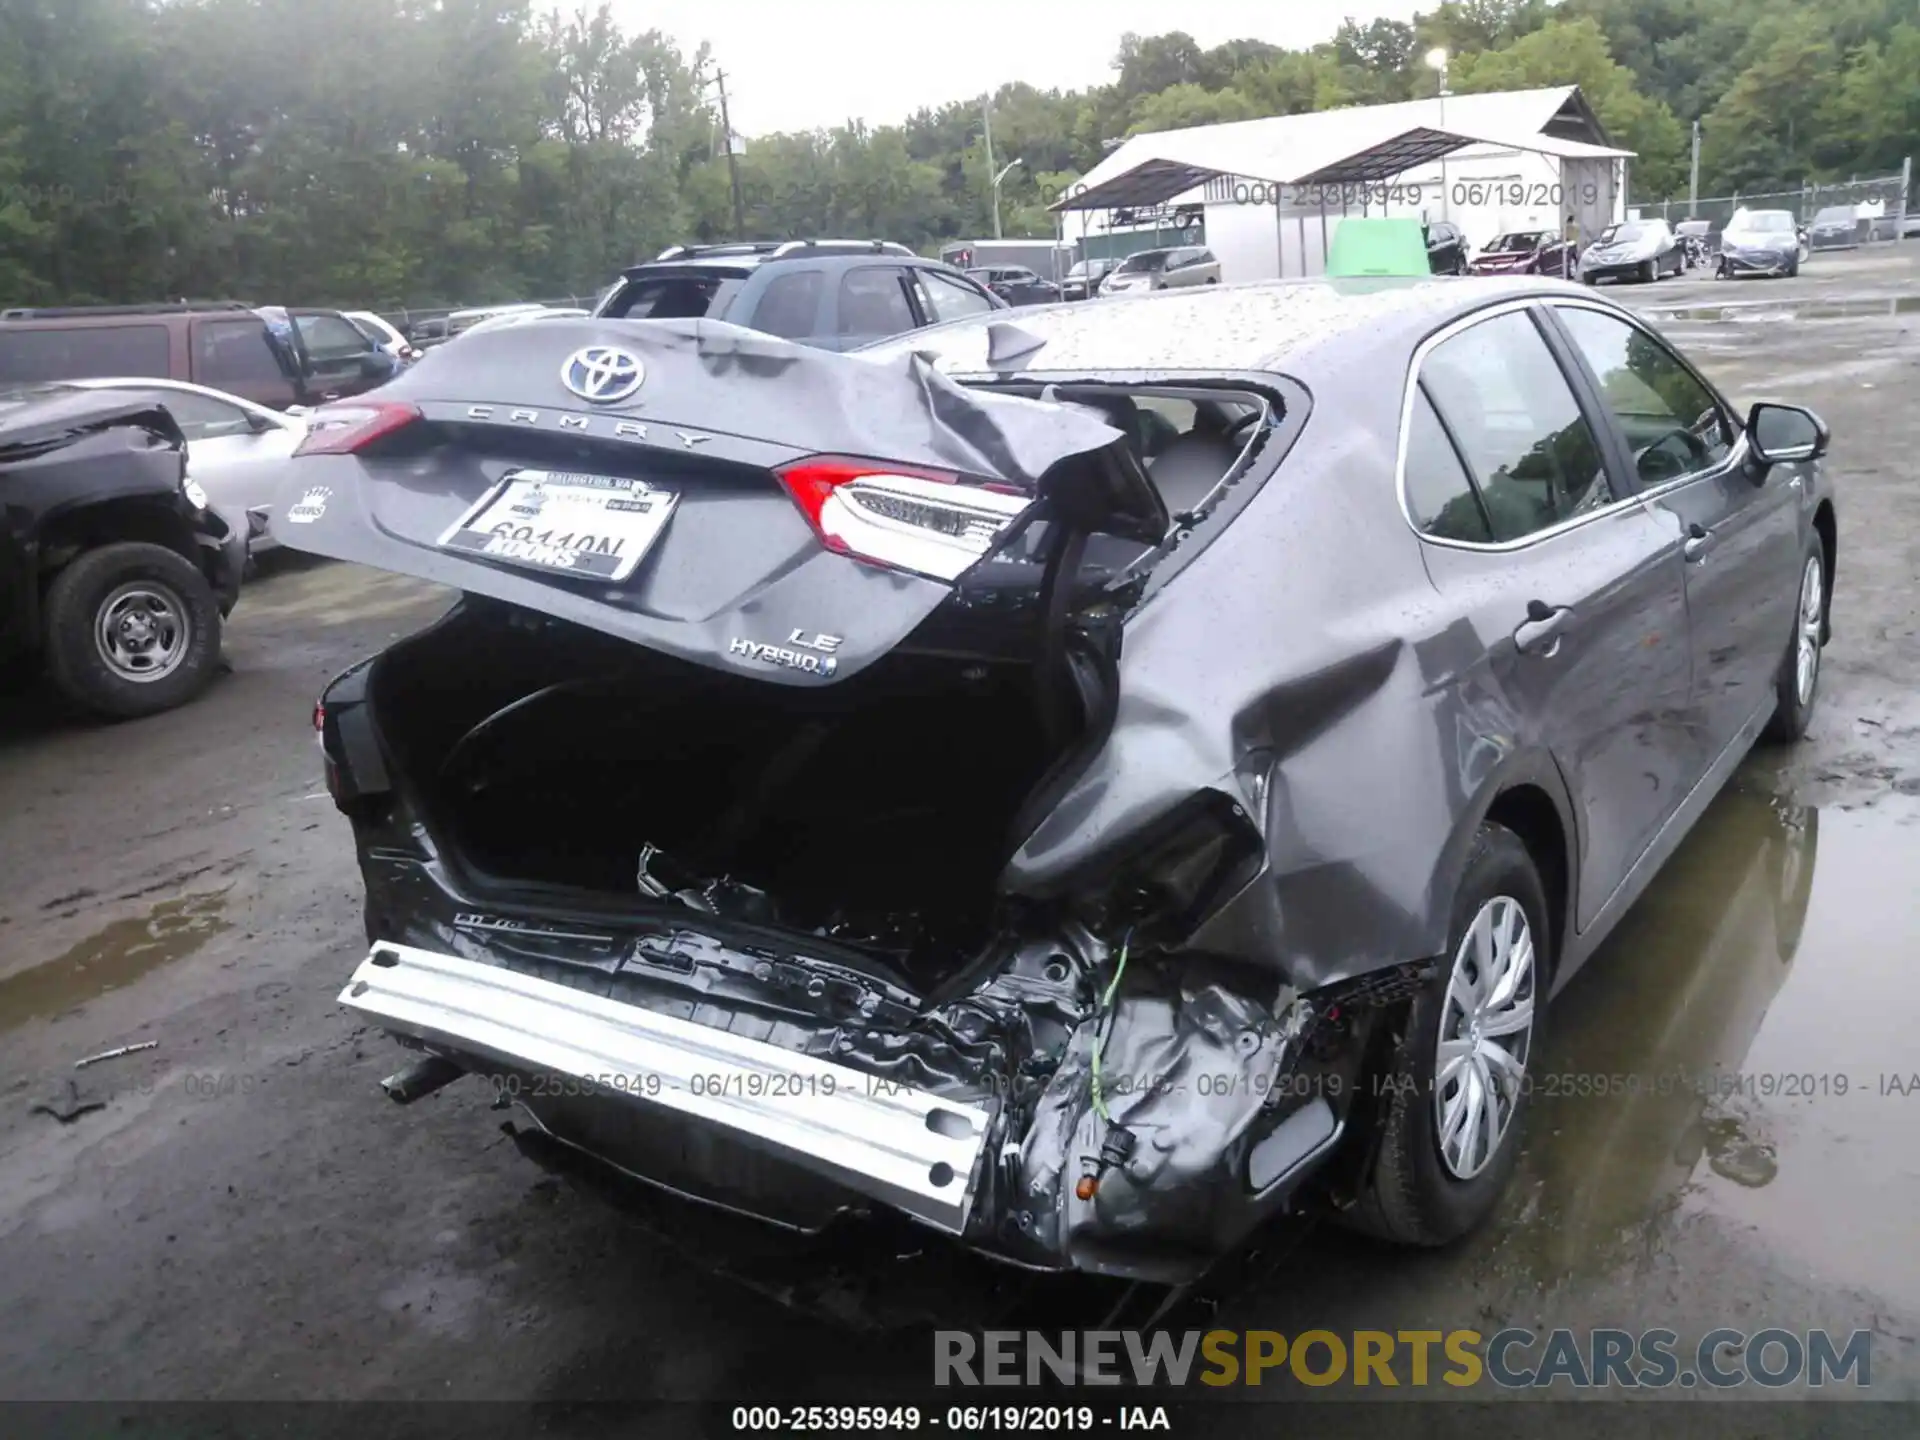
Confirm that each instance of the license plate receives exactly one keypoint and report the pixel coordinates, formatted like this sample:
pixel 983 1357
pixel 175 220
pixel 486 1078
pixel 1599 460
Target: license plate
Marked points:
pixel 598 527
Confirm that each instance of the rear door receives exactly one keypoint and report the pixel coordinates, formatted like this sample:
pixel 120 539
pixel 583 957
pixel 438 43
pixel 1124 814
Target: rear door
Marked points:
pixel 1576 592
pixel 232 353
pixel 1742 537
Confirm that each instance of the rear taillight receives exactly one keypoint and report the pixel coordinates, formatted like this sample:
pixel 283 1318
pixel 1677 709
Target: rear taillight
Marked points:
pixel 925 521
pixel 344 428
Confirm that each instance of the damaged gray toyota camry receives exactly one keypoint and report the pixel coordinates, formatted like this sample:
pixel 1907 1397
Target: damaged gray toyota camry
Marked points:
pixel 1089 783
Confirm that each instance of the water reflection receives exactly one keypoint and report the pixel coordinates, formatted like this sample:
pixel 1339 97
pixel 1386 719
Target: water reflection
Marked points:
pixel 1646 1037
pixel 1727 1052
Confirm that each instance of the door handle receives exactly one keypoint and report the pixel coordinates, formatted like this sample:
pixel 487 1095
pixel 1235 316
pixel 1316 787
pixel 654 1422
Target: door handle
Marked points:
pixel 1698 543
pixel 1542 627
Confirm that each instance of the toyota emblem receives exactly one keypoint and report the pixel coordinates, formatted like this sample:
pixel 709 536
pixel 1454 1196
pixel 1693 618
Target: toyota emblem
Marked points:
pixel 603 374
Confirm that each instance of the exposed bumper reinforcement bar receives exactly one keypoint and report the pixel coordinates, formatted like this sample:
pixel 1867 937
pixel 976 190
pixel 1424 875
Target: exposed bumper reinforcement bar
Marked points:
pixel 912 1150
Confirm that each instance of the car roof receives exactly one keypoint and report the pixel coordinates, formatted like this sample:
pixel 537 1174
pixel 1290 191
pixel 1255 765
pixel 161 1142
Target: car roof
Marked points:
pixel 154 382
pixel 1272 326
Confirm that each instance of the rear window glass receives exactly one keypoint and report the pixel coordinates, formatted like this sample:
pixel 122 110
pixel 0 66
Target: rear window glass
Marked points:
pixel 672 297
pixel 81 351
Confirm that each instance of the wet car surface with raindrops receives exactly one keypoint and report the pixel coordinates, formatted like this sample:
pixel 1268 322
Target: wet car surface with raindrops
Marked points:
pixel 1723 1128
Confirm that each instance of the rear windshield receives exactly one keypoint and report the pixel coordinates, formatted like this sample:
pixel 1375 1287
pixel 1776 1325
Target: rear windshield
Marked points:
pixel 1764 222
pixel 78 352
pixel 1146 260
pixel 1835 215
pixel 679 296
pixel 1628 234
pixel 1518 240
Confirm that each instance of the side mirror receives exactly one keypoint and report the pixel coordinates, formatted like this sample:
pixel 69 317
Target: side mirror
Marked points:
pixel 378 365
pixel 259 424
pixel 1779 434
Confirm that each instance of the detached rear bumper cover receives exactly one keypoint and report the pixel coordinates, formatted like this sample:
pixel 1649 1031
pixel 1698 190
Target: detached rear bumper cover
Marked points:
pixel 912 1150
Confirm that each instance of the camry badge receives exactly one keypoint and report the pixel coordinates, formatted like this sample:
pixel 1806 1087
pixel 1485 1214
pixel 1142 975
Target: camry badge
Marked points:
pixel 603 374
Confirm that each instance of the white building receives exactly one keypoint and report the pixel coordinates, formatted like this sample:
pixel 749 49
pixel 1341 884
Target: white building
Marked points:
pixel 1275 190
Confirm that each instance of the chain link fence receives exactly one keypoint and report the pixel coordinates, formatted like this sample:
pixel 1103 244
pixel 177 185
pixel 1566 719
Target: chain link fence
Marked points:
pixel 1872 211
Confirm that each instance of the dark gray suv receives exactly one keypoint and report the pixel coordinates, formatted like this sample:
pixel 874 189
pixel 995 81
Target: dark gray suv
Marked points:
pixel 832 294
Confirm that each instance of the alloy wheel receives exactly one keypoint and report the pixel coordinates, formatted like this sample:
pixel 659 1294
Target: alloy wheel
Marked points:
pixel 1485 1037
pixel 1813 607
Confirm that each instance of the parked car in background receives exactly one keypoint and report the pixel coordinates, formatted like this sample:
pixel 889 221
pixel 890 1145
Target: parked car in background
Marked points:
pixel 424 335
pixel 1442 538
pixel 1446 248
pixel 461 321
pixel 1837 227
pixel 116 572
pixel 274 356
pixel 1017 285
pixel 1525 252
pixel 1633 250
pixel 1174 268
pixel 830 294
pixel 1759 242
pixel 382 334
pixel 1083 280
pixel 236 451
pixel 1695 238
pixel 521 317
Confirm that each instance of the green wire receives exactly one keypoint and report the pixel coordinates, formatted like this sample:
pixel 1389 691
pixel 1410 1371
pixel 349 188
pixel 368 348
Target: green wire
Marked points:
pixel 1100 1040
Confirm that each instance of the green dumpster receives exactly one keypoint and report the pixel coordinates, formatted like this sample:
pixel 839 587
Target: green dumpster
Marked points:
pixel 1367 246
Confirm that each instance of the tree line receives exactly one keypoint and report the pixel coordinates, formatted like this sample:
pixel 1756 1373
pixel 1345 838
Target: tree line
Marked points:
pixel 414 152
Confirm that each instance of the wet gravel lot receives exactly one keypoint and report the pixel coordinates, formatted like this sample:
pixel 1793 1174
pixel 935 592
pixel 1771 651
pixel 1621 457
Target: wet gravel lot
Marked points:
pixel 1733 1136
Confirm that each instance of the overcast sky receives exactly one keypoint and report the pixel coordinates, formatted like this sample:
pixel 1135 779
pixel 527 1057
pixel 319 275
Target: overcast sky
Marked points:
pixel 798 64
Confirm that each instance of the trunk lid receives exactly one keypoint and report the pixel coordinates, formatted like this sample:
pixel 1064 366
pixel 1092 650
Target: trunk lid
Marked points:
pixel 773 508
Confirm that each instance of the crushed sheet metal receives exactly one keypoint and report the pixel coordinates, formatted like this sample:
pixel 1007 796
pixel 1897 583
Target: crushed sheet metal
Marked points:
pixel 910 1149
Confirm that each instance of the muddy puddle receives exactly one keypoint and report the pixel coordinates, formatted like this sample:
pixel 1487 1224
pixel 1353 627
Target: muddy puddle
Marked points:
pixel 1743 1046
pixel 116 955
pixel 1764 312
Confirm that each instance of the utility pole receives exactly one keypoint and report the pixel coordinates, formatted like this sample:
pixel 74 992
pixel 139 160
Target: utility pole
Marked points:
pixel 1693 175
pixel 986 121
pixel 733 163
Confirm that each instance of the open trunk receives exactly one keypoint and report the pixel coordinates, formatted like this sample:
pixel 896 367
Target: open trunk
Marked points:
pixel 878 811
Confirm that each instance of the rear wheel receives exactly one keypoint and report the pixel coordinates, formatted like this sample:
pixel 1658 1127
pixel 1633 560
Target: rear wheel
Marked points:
pixel 1796 686
pixel 132 629
pixel 1458 1082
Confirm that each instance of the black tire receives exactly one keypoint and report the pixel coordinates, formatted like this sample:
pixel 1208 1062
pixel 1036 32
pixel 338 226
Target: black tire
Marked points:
pixel 74 604
pixel 1793 268
pixel 1793 713
pixel 1413 1197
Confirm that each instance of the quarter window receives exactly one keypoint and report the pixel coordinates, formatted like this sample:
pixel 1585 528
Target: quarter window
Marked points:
pixel 789 304
pixel 1440 493
pixel 948 298
pixel 1672 421
pixel 80 352
pixel 1526 444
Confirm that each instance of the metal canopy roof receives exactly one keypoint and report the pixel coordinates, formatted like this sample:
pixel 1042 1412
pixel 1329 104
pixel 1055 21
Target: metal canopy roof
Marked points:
pixel 1391 157
pixel 1152 183
pixel 1361 144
